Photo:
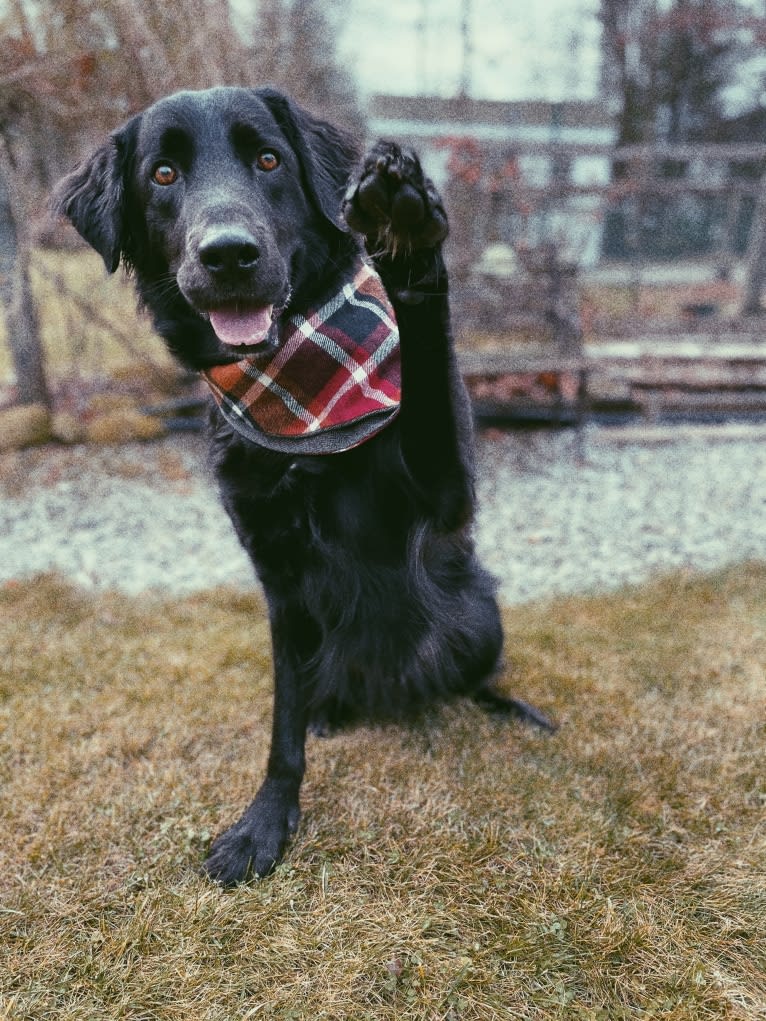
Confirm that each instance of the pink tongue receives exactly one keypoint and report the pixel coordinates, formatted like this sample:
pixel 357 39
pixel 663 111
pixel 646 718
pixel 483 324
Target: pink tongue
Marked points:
pixel 241 328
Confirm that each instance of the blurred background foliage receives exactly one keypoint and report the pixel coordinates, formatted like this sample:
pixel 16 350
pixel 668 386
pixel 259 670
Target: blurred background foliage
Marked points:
pixel 75 69
pixel 681 73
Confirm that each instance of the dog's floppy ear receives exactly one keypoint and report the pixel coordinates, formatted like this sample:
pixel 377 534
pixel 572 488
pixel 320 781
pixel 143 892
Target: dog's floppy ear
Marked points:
pixel 92 196
pixel 327 154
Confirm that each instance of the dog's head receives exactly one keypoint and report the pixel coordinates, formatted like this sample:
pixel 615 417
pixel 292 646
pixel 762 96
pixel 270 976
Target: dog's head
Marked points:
pixel 225 202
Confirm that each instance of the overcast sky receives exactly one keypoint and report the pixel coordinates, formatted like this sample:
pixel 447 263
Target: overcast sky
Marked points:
pixel 548 49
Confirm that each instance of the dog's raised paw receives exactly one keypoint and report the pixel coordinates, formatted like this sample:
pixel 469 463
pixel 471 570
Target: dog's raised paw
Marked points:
pixel 393 204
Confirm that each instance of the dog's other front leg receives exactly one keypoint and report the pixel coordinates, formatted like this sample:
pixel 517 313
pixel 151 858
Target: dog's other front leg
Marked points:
pixel 398 211
pixel 256 842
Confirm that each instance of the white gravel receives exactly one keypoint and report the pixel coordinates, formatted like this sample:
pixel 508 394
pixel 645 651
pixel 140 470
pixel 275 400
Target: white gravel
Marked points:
pixel 553 523
pixel 143 517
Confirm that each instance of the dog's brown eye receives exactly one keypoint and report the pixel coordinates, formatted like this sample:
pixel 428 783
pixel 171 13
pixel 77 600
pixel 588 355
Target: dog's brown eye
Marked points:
pixel 268 160
pixel 164 174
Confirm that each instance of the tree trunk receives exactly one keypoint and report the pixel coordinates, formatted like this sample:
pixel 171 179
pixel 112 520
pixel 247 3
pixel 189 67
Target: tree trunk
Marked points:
pixel 18 304
pixel 756 257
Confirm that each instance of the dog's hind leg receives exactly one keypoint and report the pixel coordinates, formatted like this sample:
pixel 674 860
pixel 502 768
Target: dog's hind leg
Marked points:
pixel 491 701
pixel 483 662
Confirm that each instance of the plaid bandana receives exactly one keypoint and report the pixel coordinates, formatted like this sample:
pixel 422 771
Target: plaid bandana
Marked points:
pixel 333 382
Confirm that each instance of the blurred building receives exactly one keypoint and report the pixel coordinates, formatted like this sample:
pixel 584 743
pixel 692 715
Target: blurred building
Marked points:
pixel 513 162
pixel 426 122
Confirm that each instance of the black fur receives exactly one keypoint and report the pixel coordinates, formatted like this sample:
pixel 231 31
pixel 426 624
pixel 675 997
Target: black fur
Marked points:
pixel 377 603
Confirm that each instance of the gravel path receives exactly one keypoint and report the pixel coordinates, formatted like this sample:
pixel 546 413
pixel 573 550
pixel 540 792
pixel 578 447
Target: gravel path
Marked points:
pixel 142 517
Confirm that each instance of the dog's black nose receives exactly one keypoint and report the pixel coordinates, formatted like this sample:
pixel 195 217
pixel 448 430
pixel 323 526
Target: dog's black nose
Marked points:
pixel 228 249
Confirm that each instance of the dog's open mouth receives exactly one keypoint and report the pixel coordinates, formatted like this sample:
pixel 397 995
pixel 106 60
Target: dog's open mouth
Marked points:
pixel 243 328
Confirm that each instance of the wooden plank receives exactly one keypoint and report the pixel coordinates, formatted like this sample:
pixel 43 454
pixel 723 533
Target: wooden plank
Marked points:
pixel 630 187
pixel 517 360
pixel 660 381
pixel 564 413
pixel 663 434
pixel 683 347
pixel 708 402
pixel 723 151
pixel 755 260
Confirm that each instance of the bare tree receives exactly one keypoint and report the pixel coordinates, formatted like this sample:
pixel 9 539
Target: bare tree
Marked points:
pixel 73 69
pixel 668 64
pixel 293 47
pixel 16 298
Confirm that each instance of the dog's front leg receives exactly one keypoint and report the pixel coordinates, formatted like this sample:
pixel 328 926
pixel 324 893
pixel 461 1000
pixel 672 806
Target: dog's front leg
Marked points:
pixel 398 211
pixel 256 842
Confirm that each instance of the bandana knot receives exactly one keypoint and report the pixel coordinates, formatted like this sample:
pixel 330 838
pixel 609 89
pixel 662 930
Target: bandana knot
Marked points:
pixel 333 382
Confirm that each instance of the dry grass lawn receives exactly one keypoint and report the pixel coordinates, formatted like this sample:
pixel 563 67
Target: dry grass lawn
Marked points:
pixel 462 869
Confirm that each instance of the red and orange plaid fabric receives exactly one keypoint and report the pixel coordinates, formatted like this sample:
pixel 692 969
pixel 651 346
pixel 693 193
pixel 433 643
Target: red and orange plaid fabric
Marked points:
pixel 333 381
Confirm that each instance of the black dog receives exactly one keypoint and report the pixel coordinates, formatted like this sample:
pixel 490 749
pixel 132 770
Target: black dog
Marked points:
pixel 349 478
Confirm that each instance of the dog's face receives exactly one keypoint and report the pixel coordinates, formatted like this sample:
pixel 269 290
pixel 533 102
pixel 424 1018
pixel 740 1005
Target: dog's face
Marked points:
pixel 232 195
